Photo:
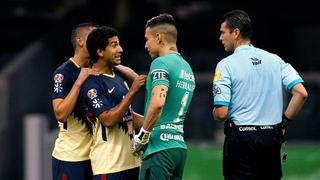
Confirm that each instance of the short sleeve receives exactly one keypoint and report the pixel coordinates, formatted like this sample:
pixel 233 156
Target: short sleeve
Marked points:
pixel 221 86
pixel 94 97
pixel 62 82
pixel 159 74
pixel 289 75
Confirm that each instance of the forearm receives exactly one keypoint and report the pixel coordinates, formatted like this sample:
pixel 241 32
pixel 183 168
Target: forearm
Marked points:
pixel 152 116
pixel 127 72
pixel 299 96
pixel 114 115
pixel 294 106
pixel 138 120
pixel 64 107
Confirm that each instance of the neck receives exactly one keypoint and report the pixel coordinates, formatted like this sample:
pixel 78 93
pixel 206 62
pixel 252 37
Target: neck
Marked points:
pixel 102 67
pixel 167 49
pixel 242 42
pixel 81 59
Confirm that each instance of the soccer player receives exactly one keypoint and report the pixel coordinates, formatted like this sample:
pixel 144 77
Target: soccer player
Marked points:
pixel 71 151
pixel 248 96
pixel 170 86
pixel 108 98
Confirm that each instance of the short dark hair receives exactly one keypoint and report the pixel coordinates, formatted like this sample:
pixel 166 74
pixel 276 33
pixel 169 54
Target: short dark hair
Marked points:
pixel 98 39
pixel 78 29
pixel 161 19
pixel 238 19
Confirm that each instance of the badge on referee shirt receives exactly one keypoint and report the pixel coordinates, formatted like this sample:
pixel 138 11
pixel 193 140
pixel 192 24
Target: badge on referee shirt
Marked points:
pixel 217 75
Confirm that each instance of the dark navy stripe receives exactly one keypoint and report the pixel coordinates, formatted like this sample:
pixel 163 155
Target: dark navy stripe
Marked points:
pixel 65 125
pixel 104 134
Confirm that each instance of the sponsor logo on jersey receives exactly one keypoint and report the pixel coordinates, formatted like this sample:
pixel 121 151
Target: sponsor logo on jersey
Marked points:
pixel 159 74
pixel 186 75
pixel 168 136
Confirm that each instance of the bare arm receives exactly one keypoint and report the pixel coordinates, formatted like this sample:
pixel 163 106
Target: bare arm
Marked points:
pixel 63 107
pixel 114 115
pixel 299 96
pixel 138 120
pixel 220 113
pixel 127 72
pixel 157 101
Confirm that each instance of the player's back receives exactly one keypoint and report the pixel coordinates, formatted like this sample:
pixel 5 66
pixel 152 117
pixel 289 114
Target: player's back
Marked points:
pixel 256 86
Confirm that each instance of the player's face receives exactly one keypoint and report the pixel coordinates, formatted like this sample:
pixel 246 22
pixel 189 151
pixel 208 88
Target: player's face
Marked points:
pixel 113 51
pixel 227 37
pixel 151 43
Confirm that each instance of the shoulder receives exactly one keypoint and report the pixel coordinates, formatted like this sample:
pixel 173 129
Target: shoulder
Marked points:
pixel 227 60
pixel 66 67
pixel 269 54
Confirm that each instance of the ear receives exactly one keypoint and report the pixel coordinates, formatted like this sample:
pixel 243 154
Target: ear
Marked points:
pixel 159 37
pixel 236 33
pixel 80 41
pixel 100 52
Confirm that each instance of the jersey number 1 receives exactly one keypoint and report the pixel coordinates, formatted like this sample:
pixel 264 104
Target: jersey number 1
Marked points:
pixel 184 102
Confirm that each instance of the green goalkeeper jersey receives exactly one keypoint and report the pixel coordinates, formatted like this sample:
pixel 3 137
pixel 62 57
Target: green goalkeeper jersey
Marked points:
pixel 174 72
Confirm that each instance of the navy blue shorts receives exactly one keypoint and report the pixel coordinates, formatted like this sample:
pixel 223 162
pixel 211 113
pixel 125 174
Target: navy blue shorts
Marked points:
pixel 63 170
pixel 130 174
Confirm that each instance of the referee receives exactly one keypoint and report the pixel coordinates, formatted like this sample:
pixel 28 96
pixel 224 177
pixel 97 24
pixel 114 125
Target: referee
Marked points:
pixel 248 97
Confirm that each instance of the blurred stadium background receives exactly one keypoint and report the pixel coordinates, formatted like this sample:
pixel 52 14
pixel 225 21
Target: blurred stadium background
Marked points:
pixel 35 39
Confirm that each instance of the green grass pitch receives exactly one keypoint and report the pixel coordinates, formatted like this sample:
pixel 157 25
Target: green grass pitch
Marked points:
pixel 205 163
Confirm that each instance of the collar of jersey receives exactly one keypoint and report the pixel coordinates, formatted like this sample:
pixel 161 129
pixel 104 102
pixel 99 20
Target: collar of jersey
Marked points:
pixel 109 75
pixel 77 65
pixel 247 46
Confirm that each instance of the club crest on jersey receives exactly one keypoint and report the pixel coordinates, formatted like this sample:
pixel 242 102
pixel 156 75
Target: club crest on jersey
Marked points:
pixel 58 78
pixel 57 88
pixel 159 74
pixel 92 93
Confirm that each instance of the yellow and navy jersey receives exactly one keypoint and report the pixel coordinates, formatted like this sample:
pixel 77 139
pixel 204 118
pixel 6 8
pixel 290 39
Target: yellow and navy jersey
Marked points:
pixel 75 135
pixel 111 148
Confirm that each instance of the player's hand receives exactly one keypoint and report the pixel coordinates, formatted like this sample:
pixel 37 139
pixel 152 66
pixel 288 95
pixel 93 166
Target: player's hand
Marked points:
pixel 138 83
pixel 139 141
pixel 284 123
pixel 84 73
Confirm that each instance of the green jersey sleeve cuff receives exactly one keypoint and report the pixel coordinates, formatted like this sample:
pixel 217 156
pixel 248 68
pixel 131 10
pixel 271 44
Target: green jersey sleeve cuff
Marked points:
pixel 156 83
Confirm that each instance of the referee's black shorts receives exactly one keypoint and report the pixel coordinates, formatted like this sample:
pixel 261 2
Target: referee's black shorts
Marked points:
pixel 252 152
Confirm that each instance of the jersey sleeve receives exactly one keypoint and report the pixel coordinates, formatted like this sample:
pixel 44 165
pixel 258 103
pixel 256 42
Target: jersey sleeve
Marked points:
pixel 159 74
pixel 221 86
pixel 62 82
pixel 289 75
pixel 95 97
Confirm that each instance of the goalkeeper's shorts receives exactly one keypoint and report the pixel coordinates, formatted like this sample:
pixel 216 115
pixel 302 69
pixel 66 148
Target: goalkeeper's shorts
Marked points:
pixel 165 164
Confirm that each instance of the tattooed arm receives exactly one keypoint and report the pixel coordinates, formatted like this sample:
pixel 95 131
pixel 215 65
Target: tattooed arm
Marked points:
pixel 157 101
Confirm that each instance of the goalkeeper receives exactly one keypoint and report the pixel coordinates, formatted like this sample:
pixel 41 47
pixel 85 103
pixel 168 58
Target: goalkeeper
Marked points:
pixel 170 86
